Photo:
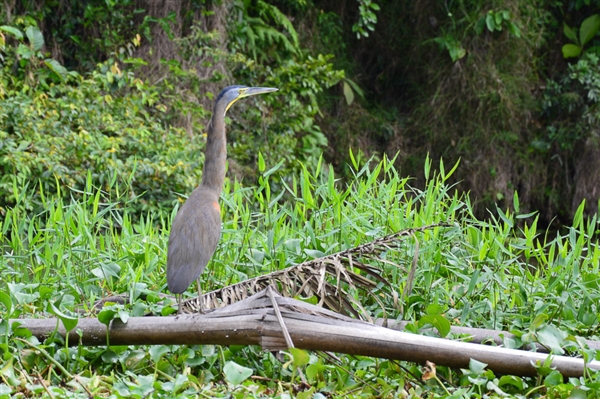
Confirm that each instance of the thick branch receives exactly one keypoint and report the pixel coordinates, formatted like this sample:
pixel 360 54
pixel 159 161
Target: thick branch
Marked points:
pixel 253 322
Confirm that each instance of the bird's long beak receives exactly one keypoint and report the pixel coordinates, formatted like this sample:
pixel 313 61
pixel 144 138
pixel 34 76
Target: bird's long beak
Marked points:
pixel 252 91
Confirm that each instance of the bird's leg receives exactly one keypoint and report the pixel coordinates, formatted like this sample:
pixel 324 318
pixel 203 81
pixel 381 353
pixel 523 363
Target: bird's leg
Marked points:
pixel 200 296
pixel 179 308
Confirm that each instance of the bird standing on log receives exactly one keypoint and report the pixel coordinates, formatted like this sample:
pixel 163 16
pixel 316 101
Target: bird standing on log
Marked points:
pixel 197 226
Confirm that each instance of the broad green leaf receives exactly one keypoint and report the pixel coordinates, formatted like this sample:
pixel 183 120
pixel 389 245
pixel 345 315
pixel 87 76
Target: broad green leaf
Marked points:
pixel 473 282
pixel 313 370
pixel 571 50
pixel 69 322
pixel 300 357
pixel 514 29
pixel 13 31
pixel 35 37
pixel 570 33
pixel 476 366
pixel 439 322
pixel 539 320
pixel 589 28
pixel 236 374
pixel 552 338
pixel 433 309
pixel 515 381
pixel 157 351
pixel 553 379
pixel 489 21
pixel 308 394
pixel 55 67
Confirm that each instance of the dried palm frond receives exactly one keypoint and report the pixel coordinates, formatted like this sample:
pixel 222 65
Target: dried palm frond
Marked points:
pixel 328 278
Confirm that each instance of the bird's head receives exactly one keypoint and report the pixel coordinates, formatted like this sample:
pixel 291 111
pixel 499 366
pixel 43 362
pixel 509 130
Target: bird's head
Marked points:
pixel 231 94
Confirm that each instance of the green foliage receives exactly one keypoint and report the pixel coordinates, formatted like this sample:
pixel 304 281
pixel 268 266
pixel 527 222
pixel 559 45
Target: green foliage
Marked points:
pixel 587 31
pixel 474 273
pixel 571 105
pixel 496 21
pixel 367 18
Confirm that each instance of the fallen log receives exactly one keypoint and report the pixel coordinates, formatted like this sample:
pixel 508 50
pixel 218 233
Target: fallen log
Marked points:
pixel 478 335
pixel 254 321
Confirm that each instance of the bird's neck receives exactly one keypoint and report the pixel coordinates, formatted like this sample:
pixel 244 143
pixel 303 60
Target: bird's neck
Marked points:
pixel 215 156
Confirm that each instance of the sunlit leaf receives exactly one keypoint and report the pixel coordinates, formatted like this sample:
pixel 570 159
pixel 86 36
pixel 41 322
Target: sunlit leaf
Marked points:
pixel 236 374
pixel 35 37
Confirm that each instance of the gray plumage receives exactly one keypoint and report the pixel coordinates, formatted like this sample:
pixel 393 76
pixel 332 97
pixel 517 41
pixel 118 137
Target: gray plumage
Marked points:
pixel 196 229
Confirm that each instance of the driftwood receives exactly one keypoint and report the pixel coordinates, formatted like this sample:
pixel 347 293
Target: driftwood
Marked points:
pixel 255 321
pixel 478 335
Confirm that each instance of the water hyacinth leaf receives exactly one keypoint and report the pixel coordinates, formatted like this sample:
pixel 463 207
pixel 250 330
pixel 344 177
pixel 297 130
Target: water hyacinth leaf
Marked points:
pixel 300 357
pixel 553 379
pixel 515 381
pixel 552 338
pixel 476 366
pixel 235 374
pixel 69 322
pixel 157 351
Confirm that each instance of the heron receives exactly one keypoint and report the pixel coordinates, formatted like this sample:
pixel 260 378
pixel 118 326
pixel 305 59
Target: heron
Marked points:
pixel 196 228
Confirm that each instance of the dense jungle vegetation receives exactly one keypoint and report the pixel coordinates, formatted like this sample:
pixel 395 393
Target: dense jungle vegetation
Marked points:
pixel 390 114
pixel 125 88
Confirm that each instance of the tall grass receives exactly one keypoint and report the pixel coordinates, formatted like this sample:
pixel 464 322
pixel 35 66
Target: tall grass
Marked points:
pixel 498 273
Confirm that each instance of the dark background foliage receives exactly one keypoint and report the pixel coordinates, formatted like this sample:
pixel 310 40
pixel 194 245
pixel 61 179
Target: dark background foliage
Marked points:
pixel 123 89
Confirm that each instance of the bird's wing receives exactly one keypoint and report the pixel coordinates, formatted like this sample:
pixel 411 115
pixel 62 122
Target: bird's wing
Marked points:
pixel 194 236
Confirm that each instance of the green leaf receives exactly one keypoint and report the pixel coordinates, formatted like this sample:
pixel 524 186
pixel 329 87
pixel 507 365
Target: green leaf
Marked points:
pixel 539 320
pixel 236 374
pixel 589 28
pixel 157 351
pixel 476 366
pixel 553 379
pixel 8 304
pixel 261 163
pixel 55 67
pixel 570 33
pixel 433 309
pixel 106 315
pixel 514 29
pixel 480 25
pixel 489 21
pixel 308 394
pixel 13 31
pixel 552 338
pixel 300 357
pixel 348 93
pixel 515 381
pixel 69 322
pixel 439 322
pixel 35 37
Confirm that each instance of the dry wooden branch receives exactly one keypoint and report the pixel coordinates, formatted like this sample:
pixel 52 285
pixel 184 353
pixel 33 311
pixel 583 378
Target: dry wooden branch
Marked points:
pixel 477 335
pixel 253 322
